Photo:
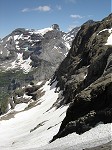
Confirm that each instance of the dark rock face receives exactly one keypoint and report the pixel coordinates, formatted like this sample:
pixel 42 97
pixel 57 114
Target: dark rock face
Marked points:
pixel 86 80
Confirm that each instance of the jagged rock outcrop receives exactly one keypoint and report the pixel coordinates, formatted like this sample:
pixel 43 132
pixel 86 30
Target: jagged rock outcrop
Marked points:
pixel 86 80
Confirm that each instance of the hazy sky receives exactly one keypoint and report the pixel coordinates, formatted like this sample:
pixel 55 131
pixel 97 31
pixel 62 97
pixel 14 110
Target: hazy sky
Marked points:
pixel 38 14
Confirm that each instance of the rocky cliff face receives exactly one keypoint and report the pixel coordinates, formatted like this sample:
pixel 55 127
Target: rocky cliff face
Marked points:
pixel 85 76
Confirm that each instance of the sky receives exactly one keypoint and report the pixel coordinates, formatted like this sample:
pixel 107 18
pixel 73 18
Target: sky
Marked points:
pixel 39 14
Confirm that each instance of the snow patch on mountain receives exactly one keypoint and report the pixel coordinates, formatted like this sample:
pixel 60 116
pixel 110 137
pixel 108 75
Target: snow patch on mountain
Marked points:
pixel 20 63
pixel 9 38
pixel 102 31
pixel 39 83
pixel 20 107
pixel 109 40
pixel 17 42
pixel 67 45
pixel 69 37
pixel 43 31
pixel 16 37
pixel 27 97
pixel 5 46
pixel 20 36
pixel 1 52
pixel 8 52
pixel 17 47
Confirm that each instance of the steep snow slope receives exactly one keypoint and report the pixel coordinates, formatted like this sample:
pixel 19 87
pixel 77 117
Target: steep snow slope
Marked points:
pixel 99 135
pixel 69 37
pixel 32 128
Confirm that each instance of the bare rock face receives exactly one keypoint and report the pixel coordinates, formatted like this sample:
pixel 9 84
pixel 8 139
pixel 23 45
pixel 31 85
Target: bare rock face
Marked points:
pixel 86 80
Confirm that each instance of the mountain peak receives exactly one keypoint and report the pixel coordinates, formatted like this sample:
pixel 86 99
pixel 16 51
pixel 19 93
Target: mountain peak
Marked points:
pixel 55 27
pixel 108 17
pixel 89 22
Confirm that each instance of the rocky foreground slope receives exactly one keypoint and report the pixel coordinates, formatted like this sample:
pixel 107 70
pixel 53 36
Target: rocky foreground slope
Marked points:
pixel 85 76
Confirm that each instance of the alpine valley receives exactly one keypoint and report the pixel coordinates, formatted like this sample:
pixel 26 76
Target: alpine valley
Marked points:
pixel 56 88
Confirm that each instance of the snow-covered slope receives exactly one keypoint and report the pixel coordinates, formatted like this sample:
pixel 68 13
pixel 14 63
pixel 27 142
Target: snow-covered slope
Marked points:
pixel 99 135
pixel 21 64
pixel 32 129
pixel 70 36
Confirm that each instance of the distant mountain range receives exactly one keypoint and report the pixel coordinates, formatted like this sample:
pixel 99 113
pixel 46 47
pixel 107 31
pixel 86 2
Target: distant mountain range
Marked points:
pixel 24 49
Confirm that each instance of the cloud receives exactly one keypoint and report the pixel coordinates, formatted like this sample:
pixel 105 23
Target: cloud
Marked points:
pixel 26 10
pixel 59 7
pixel 43 8
pixel 39 8
pixel 76 16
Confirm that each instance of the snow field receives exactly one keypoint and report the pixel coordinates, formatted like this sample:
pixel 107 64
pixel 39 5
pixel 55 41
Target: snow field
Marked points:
pixel 22 64
pixel 16 134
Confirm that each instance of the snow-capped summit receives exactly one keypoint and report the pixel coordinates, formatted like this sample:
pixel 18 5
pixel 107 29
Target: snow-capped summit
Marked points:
pixel 42 31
